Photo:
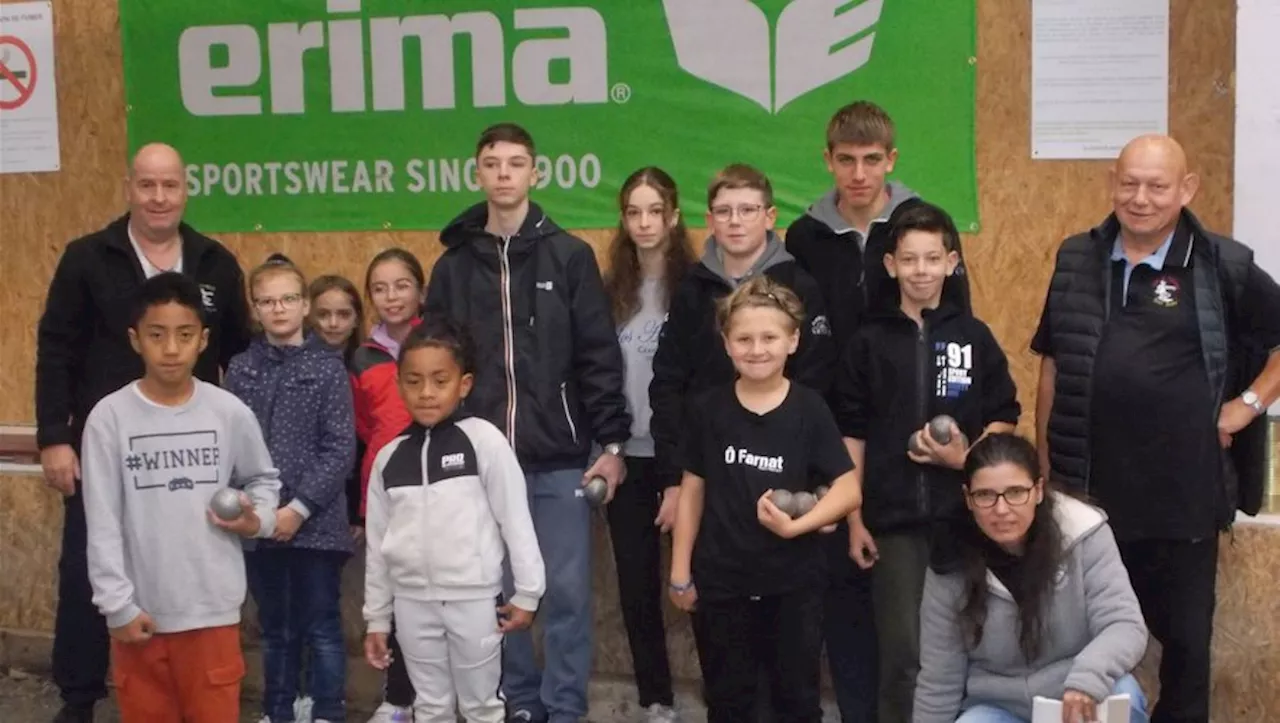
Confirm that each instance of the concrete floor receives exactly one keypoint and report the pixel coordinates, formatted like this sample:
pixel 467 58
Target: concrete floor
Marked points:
pixel 27 698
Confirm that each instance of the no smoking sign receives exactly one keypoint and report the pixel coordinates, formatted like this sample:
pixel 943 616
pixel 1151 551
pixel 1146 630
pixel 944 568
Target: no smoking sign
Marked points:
pixel 17 72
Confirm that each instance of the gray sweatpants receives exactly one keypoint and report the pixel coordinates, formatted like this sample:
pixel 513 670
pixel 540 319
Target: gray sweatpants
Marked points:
pixel 453 652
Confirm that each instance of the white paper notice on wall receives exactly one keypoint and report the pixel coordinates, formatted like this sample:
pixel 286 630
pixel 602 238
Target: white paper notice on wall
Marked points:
pixel 28 92
pixel 1099 75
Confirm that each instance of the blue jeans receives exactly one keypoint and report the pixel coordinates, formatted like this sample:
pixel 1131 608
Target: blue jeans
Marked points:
pixel 562 519
pixel 986 713
pixel 297 595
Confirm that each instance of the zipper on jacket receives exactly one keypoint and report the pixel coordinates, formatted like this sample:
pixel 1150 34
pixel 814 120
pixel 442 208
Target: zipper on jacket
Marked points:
pixel 923 355
pixel 564 401
pixel 508 340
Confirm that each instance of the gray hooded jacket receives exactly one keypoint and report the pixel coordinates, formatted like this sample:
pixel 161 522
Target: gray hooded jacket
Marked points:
pixel 1095 631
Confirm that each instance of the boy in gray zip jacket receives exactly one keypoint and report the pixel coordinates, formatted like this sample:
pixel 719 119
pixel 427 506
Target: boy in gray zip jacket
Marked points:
pixel 1093 634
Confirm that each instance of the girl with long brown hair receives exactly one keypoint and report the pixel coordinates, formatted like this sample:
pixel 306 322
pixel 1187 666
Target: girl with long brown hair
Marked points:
pixel 649 255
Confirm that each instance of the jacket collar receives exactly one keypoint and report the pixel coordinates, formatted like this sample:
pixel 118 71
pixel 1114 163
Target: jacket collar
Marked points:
pixel 194 243
pixel 1182 246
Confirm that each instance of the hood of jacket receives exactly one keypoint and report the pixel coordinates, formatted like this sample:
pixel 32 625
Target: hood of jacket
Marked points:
pixel 713 259
pixel 826 211
pixel 470 226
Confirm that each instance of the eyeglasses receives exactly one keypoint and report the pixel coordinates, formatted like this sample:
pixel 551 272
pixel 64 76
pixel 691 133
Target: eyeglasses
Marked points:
pixel 288 302
pixel 1014 496
pixel 746 213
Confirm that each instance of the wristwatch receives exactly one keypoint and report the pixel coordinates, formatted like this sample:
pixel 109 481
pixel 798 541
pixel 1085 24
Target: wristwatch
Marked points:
pixel 1250 398
pixel 613 448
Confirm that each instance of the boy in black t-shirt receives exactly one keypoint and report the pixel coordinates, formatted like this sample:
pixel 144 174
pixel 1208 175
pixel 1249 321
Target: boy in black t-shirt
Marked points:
pixel 926 355
pixel 755 574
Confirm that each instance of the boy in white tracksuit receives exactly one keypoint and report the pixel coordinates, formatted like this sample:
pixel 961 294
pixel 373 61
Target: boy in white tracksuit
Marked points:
pixel 446 503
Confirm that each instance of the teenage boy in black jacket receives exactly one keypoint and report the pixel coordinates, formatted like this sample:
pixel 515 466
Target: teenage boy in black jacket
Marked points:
pixel 550 377
pixel 841 241
pixel 908 362
pixel 83 354
pixel 691 356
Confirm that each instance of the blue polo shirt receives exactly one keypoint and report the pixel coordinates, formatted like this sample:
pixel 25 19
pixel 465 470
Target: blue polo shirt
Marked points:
pixel 1155 260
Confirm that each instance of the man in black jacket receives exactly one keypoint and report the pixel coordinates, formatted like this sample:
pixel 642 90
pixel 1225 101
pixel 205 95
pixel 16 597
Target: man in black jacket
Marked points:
pixel 83 354
pixel 841 241
pixel 550 376
pixel 1159 344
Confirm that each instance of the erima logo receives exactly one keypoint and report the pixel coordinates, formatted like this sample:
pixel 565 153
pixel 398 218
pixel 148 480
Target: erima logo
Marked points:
pixel 221 68
pixel 453 461
pixel 727 43
pixel 544 285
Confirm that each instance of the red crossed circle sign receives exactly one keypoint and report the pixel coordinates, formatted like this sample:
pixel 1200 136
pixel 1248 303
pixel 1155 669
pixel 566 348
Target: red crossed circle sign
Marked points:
pixel 26 86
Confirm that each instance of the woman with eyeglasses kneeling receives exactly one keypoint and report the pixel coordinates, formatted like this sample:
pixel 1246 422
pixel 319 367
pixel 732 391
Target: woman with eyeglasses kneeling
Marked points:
pixel 1029 598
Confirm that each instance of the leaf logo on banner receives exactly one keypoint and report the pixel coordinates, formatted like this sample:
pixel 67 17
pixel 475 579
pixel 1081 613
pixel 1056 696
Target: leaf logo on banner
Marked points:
pixel 727 43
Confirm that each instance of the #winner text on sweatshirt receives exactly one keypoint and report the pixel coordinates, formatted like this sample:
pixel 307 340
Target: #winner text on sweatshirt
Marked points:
pixel 150 472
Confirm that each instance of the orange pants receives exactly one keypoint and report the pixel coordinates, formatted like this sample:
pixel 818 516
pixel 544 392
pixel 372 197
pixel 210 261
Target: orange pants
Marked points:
pixel 188 677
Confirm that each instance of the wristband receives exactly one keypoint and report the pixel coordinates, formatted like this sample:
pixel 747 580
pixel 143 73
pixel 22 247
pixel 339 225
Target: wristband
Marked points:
pixel 681 588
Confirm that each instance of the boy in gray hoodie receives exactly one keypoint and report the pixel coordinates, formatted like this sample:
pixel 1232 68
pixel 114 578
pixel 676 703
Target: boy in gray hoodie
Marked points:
pixel 166 572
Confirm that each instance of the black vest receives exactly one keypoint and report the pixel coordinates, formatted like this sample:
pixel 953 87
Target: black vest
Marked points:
pixel 1078 294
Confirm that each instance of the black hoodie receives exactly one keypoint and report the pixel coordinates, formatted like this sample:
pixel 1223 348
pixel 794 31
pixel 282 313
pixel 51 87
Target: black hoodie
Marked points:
pixel 549 369
pixel 691 358
pixel 83 351
pixel 894 377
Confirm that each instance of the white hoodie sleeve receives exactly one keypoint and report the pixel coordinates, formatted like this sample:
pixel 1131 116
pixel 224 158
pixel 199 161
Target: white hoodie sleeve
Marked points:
pixel 377 580
pixel 102 487
pixel 504 483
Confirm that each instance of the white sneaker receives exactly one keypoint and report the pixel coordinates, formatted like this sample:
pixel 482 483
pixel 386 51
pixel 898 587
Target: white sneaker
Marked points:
pixel 387 713
pixel 302 709
pixel 658 713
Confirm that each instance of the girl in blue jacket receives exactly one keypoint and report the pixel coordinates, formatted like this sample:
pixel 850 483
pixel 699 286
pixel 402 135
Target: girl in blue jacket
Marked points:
pixel 297 386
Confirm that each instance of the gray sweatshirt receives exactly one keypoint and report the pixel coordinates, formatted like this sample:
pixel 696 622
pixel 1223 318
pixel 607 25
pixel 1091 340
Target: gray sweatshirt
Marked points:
pixel 638 339
pixel 1095 633
pixel 149 473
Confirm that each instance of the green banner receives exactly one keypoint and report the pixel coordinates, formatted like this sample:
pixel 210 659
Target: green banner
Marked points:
pixel 363 114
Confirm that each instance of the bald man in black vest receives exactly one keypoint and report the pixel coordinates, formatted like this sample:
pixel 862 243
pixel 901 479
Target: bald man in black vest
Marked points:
pixel 1159 350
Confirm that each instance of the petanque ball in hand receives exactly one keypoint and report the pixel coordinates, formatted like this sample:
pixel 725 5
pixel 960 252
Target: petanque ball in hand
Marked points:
pixel 226 504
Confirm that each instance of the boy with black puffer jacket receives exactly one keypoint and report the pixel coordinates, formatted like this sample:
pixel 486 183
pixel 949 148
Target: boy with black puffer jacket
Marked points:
pixel 924 356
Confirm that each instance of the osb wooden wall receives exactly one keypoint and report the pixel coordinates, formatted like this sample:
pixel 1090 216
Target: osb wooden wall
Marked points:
pixel 1026 209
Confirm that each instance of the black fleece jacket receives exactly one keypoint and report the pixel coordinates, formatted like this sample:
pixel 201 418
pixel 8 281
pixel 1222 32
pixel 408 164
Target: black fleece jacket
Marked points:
pixel 549 368
pixel 83 351
pixel 894 377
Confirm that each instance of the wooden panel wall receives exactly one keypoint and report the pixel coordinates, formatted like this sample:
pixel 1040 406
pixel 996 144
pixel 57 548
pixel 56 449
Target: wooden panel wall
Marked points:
pixel 1026 209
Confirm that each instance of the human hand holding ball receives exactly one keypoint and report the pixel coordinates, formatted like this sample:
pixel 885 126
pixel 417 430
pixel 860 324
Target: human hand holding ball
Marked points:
pixel 232 510
pixel 940 442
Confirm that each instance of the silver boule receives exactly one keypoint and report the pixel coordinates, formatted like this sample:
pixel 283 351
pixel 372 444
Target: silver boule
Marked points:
pixel 226 504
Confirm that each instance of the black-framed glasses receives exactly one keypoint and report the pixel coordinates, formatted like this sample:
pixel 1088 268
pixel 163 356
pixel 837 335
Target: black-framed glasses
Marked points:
pixel 1014 497
pixel 747 213
pixel 288 301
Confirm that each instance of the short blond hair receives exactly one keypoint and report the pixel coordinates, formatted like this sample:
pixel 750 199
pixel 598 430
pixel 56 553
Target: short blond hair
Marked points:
pixel 760 292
